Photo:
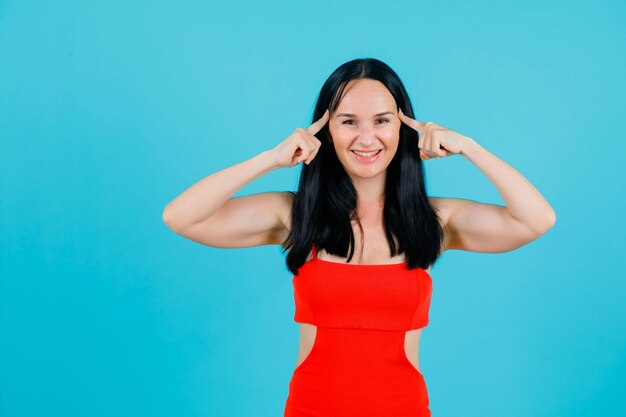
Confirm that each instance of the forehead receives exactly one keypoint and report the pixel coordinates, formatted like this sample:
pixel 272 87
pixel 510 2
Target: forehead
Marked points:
pixel 366 96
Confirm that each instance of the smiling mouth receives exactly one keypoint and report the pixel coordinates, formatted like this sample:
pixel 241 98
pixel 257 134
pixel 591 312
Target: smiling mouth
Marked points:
pixel 366 154
pixel 368 157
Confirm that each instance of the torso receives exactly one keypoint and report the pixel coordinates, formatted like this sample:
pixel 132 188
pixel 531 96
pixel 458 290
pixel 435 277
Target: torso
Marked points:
pixel 375 243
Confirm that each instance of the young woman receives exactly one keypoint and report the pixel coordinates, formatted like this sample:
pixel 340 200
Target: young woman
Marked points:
pixel 362 235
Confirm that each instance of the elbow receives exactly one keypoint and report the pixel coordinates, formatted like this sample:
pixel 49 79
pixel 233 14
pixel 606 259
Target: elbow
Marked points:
pixel 548 223
pixel 168 217
pixel 552 218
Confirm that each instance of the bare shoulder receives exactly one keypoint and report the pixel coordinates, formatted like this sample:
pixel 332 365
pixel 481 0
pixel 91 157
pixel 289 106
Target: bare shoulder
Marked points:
pixel 445 206
pixel 287 198
pixel 285 207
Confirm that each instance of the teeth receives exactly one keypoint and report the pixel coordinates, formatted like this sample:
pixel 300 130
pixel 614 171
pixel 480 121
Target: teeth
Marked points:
pixel 366 154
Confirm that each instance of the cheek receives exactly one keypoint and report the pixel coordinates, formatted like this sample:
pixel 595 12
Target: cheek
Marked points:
pixel 390 136
pixel 342 135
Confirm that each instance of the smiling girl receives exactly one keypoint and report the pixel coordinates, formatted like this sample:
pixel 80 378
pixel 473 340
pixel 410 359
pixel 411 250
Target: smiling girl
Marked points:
pixel 361 235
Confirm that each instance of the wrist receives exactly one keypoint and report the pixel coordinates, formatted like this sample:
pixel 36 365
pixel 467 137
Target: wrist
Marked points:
pixel 468 146
pixel 268 160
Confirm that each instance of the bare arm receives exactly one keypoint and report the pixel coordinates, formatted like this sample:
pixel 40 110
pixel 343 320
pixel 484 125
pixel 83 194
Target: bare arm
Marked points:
pixel 481 227
pixel 205 197
pixel 208 214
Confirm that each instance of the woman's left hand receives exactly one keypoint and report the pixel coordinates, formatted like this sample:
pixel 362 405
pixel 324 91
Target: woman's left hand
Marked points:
pixel 435 141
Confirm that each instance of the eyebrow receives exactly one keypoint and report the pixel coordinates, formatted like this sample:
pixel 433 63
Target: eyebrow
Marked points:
pixel 354 115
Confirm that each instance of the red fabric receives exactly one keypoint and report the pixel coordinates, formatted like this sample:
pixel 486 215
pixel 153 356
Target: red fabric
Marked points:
pixel 358 366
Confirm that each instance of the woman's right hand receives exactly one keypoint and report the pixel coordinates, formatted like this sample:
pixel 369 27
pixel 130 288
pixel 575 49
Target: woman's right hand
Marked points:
pixel 300 146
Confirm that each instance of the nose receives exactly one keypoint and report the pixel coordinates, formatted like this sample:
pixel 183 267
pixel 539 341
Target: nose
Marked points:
pixel 366 136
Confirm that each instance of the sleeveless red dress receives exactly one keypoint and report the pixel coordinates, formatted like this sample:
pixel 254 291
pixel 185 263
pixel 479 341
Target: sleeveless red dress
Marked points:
pixel 358 366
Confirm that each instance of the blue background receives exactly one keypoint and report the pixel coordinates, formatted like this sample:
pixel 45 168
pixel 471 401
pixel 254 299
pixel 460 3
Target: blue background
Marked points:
pixel 110 109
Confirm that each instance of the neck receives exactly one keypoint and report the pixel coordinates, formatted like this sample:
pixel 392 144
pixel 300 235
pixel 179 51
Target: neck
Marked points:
pixel 370 193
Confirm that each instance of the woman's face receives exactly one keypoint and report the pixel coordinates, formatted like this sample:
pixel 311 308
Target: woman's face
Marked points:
pixel 366 120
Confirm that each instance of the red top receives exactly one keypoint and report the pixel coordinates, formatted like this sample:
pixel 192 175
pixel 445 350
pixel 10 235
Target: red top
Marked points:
pixel 378 296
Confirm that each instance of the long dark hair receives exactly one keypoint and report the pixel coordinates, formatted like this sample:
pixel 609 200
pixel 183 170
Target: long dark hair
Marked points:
pixel 325 202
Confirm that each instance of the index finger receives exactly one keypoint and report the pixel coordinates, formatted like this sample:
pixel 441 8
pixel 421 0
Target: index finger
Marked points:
pixel 415 124
pixel 319 124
